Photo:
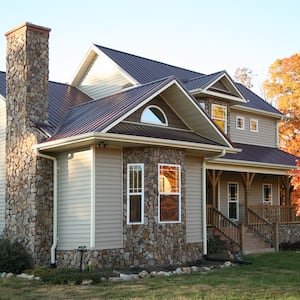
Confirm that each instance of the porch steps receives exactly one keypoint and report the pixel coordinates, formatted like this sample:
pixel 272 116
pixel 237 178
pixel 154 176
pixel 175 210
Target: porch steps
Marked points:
pixel 253 244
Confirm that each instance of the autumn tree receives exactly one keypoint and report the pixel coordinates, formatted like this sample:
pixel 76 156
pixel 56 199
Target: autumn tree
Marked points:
pixel 283 89
pixel 244 76
pixel 295 181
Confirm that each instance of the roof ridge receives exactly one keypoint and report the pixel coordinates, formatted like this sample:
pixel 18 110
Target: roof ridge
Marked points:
pixel 149 59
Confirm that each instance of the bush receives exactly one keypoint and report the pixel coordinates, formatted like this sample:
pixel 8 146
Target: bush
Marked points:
pixel 13 257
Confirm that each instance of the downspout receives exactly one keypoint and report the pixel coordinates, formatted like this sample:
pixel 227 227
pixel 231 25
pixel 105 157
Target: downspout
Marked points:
pixel 204 224
pixel 54 244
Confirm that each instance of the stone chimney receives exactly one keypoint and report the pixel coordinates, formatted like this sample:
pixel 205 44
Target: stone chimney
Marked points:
pixel 28 177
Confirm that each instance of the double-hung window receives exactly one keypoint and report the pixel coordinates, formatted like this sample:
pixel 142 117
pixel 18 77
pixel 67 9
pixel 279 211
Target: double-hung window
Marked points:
pixel 267 194
pixel 219 115
pixel 240 122
pixel 169 187
pixel 135 193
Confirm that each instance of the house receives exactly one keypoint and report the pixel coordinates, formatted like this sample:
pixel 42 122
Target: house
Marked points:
pixel 132 161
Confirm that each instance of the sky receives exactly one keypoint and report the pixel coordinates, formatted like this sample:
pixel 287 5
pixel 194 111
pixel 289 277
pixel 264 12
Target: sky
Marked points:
pixel 202 35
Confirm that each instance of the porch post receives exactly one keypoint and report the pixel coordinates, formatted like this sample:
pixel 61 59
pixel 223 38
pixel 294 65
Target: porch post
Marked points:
pixel 214 180
pixel 247 182
pixel 287 185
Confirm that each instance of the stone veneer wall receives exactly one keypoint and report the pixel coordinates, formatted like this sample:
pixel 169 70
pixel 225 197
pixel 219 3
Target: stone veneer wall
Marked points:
pixel 150 244
pixel 289 233
pixel 29 178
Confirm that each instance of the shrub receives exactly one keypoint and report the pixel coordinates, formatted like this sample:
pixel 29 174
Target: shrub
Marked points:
pixel 13 257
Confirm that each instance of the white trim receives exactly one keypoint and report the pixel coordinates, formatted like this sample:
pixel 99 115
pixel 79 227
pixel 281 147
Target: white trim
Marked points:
pixel 154 123
pixel 204 213
pixel 237 118
pixel 253 120
pixel 170 193
pixel 257 111
pixel 95 137
pixel 142 193
pixel 236 201
pixel 213 105
pixel 93 197
pixel 263 193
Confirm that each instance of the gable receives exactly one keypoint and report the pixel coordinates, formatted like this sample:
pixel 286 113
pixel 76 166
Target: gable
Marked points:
pixel 99 76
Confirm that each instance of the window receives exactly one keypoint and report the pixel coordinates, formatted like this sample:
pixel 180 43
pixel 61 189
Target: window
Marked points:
pixel 267 194
pixel 254 125
pixel 202 104
pixel 154 115
pixel 233 201
pixel 135 193
pixel 219 115
pixel 169 208
pixel 240 123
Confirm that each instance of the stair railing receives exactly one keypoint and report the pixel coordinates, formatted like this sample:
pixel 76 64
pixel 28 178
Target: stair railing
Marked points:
pixel 227 227
pixel 265 229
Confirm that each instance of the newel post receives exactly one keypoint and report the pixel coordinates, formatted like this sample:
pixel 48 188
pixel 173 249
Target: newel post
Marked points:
pixel 242 235
pixel 276 236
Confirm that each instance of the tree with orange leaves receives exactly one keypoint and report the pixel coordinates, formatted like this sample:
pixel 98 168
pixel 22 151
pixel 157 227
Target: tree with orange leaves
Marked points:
pixel 282 88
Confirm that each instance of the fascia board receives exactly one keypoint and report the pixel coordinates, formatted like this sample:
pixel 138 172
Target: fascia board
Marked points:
pixel 96 137
pixel 244 166
pixel 257 111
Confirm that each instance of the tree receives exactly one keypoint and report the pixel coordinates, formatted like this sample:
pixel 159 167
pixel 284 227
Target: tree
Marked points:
pixel 295 181
pixel 283 89
pixel 244 76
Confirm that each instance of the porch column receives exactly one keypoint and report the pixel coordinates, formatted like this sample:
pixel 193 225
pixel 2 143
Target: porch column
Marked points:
pixel 214 178
pixel 247 182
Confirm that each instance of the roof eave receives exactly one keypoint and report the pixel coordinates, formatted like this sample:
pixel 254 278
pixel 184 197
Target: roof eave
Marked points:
pixel 258 111
pixel 95 137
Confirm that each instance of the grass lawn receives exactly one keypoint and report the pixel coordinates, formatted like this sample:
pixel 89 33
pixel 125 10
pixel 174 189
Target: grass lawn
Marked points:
pixel 270 276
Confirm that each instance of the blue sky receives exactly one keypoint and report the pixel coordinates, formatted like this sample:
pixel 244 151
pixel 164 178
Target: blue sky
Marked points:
pixel 205 36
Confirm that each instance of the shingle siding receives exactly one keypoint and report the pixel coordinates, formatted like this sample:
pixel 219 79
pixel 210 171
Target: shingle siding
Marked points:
pixel 2 162
pixel 266 135
pixel 108 199
pixel 74 199
pixel 194 209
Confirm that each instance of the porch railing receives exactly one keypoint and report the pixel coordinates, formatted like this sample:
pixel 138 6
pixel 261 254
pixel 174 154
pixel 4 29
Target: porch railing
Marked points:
pixel 261 226
pixel 277 213
pixel 227 227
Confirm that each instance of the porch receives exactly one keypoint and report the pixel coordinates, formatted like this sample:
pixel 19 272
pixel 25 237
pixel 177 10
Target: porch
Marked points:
pixel 261 232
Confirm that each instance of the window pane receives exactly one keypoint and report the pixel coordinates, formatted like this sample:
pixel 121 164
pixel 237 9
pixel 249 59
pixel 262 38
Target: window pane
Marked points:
pixel 221 124
pixel 219 115
pixel 153 115
pixel 169 208
pixel 135 209
pixel 169 179
pixel 233 210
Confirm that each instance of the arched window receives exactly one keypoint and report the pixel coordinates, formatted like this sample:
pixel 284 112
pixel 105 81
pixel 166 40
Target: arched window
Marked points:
pixel 154 115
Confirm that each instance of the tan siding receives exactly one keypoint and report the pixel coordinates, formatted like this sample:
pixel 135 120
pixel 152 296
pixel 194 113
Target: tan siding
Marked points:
pixel 266 135
pixel 74 199
pixel 193 200
pixel 102 78
pixel 2 163
pixel 108 199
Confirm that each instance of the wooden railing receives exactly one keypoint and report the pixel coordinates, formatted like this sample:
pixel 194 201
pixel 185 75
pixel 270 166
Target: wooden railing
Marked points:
pixel 227 227
pixel 277 213
pixel 261 226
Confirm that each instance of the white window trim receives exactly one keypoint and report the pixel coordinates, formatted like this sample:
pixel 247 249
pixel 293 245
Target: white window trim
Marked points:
pixel 225 120
pixel 263 193
pixel 139 193
pixel 256 121
pixel 236 201
pixel 237 122
pixel 156 123
pixel 171 193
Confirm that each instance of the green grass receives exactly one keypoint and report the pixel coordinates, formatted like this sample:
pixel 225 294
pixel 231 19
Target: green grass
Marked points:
pixel 270 276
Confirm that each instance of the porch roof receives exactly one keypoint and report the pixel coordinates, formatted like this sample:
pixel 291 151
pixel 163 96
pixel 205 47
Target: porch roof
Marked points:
pixel 261 154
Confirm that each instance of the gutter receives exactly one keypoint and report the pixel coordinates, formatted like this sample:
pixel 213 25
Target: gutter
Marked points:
pixel 55 167
pixel 204 221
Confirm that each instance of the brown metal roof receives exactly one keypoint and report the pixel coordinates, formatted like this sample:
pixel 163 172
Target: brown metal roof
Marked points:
pixel 139 129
